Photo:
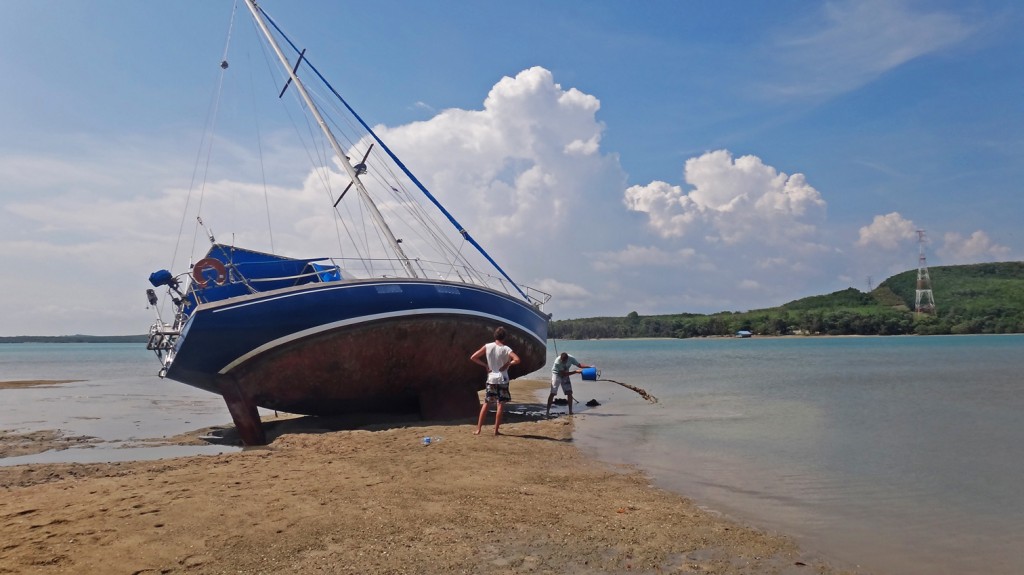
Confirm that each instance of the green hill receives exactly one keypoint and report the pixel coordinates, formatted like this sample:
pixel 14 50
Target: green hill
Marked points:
pixel 978 298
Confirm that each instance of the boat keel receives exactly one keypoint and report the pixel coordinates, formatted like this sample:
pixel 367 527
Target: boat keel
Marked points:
pixel 243 411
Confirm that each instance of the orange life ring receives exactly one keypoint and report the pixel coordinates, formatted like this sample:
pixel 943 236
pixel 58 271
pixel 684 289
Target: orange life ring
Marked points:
pixel 209 264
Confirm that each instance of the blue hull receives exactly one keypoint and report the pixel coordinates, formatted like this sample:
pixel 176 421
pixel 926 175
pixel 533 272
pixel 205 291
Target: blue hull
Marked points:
pixel 355 346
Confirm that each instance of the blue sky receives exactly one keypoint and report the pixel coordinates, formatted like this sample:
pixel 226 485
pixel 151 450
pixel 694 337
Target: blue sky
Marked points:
pixel 708 156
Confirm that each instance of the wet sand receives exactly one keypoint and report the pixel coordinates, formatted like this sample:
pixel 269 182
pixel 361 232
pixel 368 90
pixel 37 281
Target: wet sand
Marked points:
pixel 34 383
pixel 325 497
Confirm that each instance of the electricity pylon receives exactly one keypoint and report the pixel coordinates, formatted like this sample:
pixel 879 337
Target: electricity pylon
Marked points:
pixel 924 302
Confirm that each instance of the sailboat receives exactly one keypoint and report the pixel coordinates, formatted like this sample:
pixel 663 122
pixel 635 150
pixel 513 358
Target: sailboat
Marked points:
pixel 378 329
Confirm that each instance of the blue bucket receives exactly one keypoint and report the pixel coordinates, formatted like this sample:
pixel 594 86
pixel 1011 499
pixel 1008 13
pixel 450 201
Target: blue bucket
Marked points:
pixel 590 373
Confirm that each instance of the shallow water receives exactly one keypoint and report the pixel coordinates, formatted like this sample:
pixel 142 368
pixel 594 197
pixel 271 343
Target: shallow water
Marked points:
pixel 119 401
pixel 902 455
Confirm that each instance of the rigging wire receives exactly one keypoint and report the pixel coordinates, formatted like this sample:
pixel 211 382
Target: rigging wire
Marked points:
pixel 394 187
pixel 359 242
pixel 321 159
pixel 259 148
pixel 388 187
pixel 399 163
pixel 369 261
pixel 205 142
pixel 327 103
pixel 317 156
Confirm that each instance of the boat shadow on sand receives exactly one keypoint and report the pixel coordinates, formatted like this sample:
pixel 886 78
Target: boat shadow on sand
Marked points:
pixel 285 424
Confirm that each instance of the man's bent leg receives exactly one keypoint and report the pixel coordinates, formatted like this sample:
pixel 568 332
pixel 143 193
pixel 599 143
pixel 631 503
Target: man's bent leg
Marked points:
pixel 480 420
pixel 497 416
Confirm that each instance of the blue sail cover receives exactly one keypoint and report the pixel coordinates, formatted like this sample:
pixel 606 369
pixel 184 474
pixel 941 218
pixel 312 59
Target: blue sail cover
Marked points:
pixel 250 271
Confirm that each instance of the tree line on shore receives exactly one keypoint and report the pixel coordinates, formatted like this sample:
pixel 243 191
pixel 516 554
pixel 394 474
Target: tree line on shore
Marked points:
pixel 970 299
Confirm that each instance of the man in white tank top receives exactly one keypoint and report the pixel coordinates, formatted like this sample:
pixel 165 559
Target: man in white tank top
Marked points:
pixel 497 358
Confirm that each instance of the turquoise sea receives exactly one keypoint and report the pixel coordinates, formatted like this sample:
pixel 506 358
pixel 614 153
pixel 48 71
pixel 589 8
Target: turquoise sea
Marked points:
pixel 896 455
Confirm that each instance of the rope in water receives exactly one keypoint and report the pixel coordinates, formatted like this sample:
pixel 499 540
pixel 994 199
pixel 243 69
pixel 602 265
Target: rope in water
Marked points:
pixel 643 392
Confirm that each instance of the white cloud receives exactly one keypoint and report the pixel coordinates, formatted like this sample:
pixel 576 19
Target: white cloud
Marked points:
pixel 889 232
pixel 670 210
pixel 751 233
pixel 641 256
pixel 852 42
pixel 423 106
pixel 568 294
pixel 733 201
pixel 562 289
pixel 531 155
pixel 977 248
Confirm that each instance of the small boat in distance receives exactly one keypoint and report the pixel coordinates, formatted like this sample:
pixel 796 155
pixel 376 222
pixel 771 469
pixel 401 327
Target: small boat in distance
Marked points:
pixel 375 331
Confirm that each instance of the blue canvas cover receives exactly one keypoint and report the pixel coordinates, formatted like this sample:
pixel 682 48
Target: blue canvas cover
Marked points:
pixel 326 273
pixel 250 271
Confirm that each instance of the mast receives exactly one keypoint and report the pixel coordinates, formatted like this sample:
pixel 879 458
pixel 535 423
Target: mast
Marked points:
pixel 338 152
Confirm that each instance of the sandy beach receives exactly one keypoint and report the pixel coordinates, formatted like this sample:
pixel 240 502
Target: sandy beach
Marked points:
pixel 373 500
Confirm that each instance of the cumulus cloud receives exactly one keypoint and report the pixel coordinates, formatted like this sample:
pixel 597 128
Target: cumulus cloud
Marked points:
pixel 733 201
pixel 670 210
pixel 739 227
pixel 889 232
pixel 530 155
pixel 978 247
